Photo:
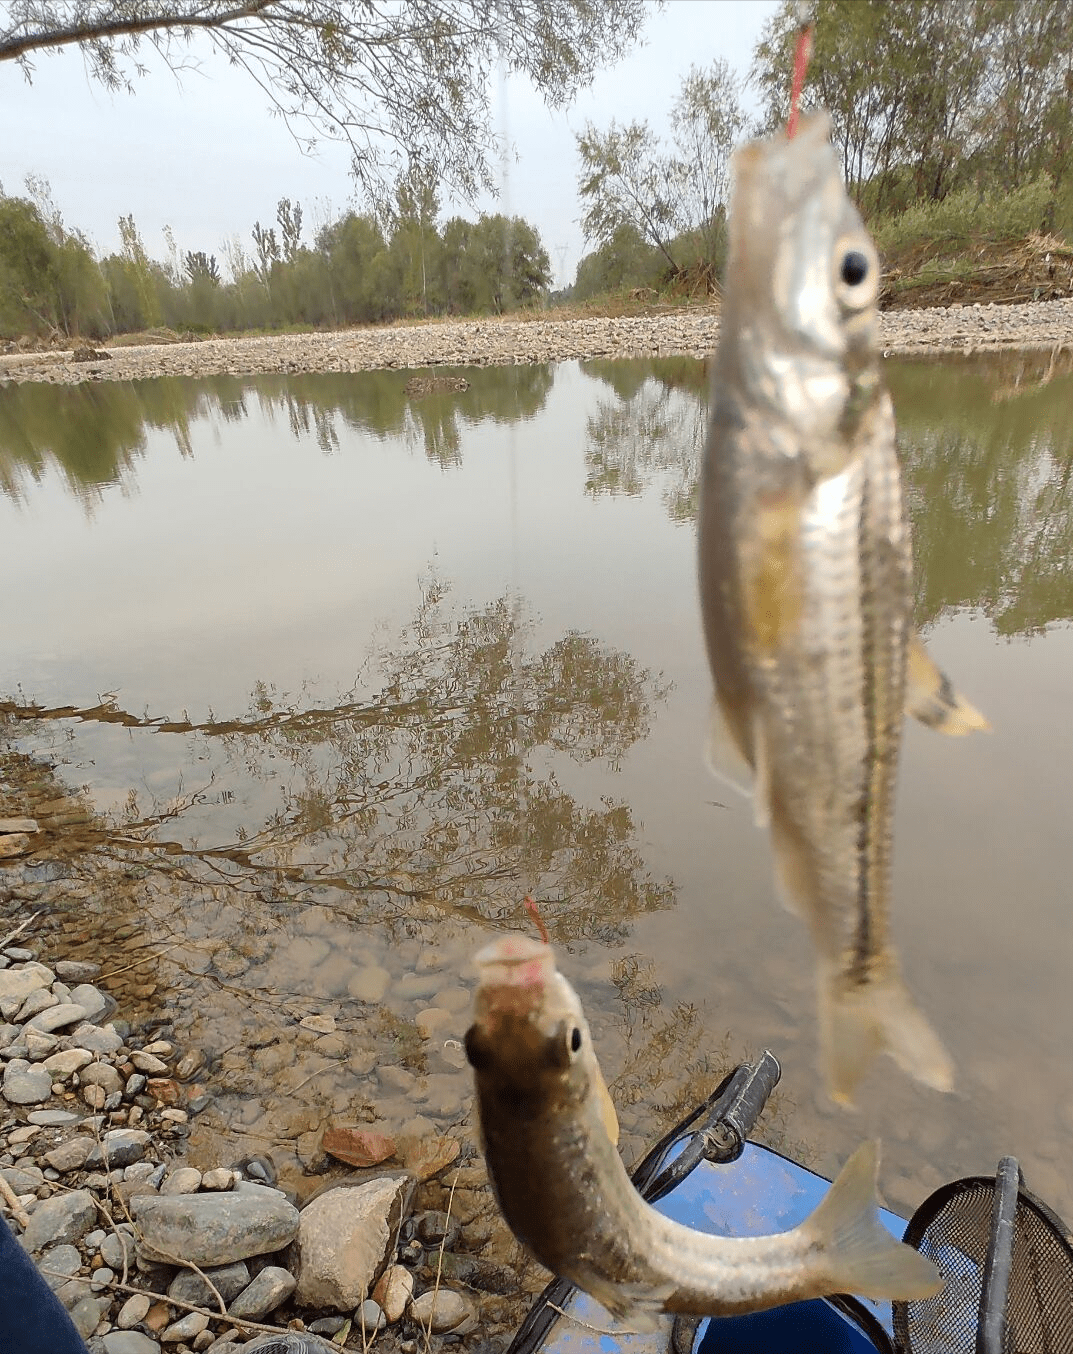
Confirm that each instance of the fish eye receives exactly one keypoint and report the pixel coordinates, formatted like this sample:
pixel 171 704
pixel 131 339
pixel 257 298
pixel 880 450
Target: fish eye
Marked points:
pixel 854 267
pixel 575 1040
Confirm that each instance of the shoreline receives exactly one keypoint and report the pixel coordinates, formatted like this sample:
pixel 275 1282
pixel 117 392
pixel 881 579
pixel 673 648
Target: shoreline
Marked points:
pixel 502 342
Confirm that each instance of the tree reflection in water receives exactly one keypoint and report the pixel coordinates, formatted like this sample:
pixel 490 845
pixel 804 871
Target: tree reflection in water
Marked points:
pixel 97 432
pixel 987 445
pixel 438 793
pixel 653 432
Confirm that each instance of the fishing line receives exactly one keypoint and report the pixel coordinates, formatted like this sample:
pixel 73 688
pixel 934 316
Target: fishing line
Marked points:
pixel 523 829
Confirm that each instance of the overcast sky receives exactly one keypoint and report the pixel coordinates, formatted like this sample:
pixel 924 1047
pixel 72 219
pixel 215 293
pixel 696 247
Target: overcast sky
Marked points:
pixel 202 153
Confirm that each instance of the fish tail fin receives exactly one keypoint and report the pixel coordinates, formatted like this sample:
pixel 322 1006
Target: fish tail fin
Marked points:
pixel 930 697
pixel 879 1017
pixel 860 1255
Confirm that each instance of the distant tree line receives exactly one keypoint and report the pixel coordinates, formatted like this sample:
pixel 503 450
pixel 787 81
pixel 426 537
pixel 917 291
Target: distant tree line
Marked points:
pixel 967 102
pixel 360 268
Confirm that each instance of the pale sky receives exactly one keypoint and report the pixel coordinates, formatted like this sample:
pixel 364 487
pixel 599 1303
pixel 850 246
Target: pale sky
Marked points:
pixel 203 154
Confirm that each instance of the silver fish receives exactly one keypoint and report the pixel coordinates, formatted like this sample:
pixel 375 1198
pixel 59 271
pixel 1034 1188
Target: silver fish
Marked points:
pixel 563 1189
pixel 806 583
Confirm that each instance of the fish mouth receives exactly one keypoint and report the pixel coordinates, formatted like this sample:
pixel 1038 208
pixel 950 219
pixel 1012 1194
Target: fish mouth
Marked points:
pixel 514 973
pixel 515 961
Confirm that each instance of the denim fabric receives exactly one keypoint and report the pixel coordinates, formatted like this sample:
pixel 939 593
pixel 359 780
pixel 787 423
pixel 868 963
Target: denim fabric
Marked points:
pixel 32 1318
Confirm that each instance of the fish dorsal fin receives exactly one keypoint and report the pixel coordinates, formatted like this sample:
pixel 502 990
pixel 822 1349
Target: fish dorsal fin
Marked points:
pixel 930 696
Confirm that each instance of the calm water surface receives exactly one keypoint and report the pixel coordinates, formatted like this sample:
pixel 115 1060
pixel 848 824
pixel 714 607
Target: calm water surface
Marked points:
pixel 346 675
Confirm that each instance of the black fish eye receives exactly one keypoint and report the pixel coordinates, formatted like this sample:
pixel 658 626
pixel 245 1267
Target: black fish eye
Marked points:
pixel 854 267
pixel 575 1040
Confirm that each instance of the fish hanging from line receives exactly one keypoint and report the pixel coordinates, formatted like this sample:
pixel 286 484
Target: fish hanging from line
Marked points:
pixel 805 572
pixel 565 1193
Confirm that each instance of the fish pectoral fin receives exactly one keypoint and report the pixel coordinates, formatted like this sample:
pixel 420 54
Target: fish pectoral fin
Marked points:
pixel 860 1255
pixel 858 1021
pixel 640 1306
pixel 762 768
pixel 722 755
pixel 607 1107
pixel 930 696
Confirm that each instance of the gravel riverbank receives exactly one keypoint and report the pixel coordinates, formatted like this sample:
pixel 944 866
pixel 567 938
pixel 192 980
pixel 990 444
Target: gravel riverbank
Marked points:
pixel 497 342
pixel 383 1242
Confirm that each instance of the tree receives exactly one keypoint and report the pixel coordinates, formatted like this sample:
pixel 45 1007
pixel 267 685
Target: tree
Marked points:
pixel 397 82
pixel 202 267
pixel 675 199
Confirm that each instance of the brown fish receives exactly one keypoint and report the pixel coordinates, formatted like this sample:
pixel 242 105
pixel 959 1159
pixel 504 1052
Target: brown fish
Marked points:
pixel 563 1189
pixel 806 583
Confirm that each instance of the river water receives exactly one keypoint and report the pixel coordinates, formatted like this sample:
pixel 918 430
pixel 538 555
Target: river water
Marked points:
pixel 344 675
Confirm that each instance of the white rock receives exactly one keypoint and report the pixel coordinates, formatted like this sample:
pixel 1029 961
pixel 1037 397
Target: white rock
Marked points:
pixel 344 1237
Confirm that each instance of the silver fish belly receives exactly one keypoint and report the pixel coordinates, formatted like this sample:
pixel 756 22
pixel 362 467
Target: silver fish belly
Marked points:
pixel 805 574
pixel 562 1187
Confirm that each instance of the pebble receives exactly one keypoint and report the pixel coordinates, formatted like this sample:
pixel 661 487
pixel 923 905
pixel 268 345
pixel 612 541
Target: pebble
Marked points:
pixel 193 1323
pixel 68 1060
pixel 114 1249
pixel 229 1280
pixel 56 1017
pixel 133 1311
pixel 71 1155
pixel 92 1000
pixel 184 1180
pixel 26 1084
pixel 369 1317
pixel 53 1118
pixel 39 1000
pixel 129 1342
pixel 369 984
pixel 102 1039
pixel 63 1218
pixel 76 970
pixel 439 1311
pixel 214 1229
pixel 119 1147
pixel 148 1063
pixel 219 1179
pixel 393 1291
pixel 272 1286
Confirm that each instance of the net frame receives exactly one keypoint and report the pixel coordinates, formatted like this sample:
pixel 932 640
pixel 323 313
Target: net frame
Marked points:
pixel 953 1227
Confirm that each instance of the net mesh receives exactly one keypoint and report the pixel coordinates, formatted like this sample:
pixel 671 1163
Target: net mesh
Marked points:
pixel 953 1228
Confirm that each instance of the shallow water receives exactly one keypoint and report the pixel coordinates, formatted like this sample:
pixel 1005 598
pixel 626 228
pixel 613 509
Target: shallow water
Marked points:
pixel 347 675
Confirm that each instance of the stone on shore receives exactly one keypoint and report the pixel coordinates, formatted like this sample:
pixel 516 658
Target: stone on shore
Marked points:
pixel 229 1281
pixel 271 1287
pixel 62 1219
pixel 129 1342
pixel 214 1229
pixel 344 1239
pixel 26 1083
pixel 16 984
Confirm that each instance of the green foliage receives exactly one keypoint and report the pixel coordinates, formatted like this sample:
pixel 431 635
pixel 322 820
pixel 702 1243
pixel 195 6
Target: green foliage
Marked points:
pixel 49 279
pixel 354 273
pixel 625 260
pixel 966 215
pixel 933 93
